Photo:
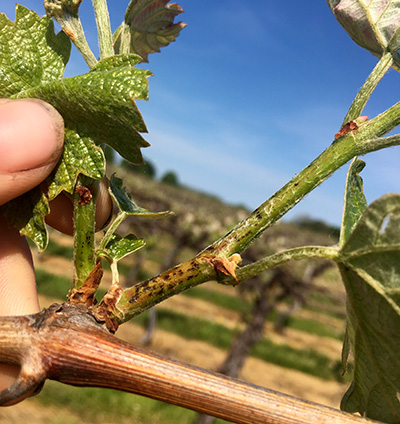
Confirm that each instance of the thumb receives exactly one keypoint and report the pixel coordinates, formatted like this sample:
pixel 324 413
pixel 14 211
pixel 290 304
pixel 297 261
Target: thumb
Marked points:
pixel 31 140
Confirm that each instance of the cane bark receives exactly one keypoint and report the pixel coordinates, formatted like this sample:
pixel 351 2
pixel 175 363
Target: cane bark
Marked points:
pixel 66 344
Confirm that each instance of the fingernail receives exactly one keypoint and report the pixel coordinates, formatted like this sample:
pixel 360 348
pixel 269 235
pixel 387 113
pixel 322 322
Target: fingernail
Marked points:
pixel 31 134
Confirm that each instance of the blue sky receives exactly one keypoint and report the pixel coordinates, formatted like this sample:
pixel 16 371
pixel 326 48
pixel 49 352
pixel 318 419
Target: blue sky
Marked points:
pixel 249 94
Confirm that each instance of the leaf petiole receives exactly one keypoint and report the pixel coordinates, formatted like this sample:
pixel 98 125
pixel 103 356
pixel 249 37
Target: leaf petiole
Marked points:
pixel 111 230
pixel 361 99
pixel 295 254
pixel 67 15
pixel 103 28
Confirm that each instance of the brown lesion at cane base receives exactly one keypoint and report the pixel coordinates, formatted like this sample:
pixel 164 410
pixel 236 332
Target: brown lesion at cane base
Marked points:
pixel 85 294
pixel 103 312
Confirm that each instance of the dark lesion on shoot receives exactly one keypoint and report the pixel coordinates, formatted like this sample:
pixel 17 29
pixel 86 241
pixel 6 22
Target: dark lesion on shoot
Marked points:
pixel 86 293
pixel 85 195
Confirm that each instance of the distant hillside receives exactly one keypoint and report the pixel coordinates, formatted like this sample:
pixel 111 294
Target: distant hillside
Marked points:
pixel 209 209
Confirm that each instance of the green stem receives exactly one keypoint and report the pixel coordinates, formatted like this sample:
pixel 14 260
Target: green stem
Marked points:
pixel 67 15
pixel 337 154
pixel 363 96
pixel 84 229
pixel 72 26
pixel 379 143
pixel 124 37
pixel 103 28
pixel 369 133
pixel 367 139
pixel 359 102
pixel 305 252
pixel 142 296
pixel 146 294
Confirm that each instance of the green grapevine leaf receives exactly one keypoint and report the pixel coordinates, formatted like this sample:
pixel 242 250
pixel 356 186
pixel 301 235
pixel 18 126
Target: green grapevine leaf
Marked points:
pixel 118 247
pixel 100 104
pixel 112 246
pixel 127 205
pixel 148 26
pixel 31 53
pixel 98 107
pixel 27 213
pixel 355 202
pixel 374 25
pixel 370 267
pixel 80 156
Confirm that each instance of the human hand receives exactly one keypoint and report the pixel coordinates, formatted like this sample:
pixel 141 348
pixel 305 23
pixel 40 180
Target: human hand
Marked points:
pixel 31 141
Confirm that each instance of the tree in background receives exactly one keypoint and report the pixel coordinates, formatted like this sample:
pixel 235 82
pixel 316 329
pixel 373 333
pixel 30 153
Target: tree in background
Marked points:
pixel 170 178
